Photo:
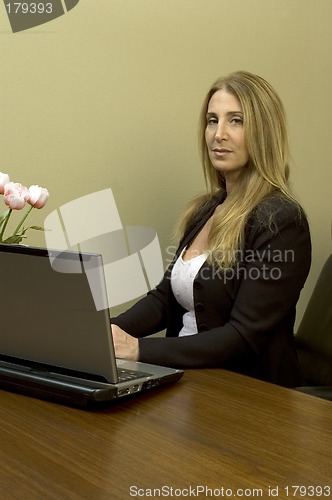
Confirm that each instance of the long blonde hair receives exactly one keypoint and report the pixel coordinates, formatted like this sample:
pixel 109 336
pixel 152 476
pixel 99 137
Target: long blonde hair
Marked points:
pixel 267 171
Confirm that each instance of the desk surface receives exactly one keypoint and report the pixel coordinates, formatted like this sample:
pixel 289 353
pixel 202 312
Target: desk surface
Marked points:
pixel 220 431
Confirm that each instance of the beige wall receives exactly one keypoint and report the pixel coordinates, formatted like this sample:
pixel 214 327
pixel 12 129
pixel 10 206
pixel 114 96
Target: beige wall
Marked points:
pixel 108 96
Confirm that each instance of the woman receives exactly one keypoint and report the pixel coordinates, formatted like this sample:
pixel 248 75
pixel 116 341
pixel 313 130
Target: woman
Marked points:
pixel 228 299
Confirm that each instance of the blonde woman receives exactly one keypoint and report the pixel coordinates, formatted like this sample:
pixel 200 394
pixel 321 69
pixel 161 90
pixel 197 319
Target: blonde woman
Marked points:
pixel 229 297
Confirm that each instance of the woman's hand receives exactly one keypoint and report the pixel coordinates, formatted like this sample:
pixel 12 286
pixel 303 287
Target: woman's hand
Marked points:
pixel 125 346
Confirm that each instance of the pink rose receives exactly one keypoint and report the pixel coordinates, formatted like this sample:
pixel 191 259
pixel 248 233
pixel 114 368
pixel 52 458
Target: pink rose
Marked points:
pixel 15 195
pixel 4 179
pixel 38 196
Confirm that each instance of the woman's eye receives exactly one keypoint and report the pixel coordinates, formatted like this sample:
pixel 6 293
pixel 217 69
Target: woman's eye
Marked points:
pixel 237 120
pixel 212 121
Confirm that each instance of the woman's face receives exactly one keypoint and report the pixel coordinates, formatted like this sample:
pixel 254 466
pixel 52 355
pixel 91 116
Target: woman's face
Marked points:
pixel 224 136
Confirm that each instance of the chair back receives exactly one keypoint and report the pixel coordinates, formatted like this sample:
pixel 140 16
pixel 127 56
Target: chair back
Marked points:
pixel 314 335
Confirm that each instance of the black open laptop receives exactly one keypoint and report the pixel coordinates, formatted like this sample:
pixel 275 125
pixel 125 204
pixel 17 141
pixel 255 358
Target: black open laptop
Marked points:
pixel 54 342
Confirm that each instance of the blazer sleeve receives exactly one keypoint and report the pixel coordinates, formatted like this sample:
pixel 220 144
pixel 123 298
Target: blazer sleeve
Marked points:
pixel 274 268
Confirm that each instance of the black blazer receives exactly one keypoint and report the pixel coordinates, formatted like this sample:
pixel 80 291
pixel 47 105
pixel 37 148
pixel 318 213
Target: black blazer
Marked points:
pixel 245 317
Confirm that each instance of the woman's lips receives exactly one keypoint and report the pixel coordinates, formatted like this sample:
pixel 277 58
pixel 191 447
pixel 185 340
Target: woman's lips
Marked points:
pixel 221 152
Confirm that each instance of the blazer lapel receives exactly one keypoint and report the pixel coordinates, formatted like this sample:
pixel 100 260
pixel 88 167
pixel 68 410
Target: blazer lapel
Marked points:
pixel 190 236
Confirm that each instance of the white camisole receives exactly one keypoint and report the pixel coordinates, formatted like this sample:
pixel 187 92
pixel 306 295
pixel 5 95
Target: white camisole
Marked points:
pixel 182 280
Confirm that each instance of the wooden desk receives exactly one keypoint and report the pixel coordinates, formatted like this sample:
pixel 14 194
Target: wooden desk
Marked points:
pixel 213 429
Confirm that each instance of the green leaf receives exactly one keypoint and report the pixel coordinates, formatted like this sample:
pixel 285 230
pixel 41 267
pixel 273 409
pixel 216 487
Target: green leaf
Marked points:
pixel 3 217
pixel 14 240
pixel 37 228
pixel 4 214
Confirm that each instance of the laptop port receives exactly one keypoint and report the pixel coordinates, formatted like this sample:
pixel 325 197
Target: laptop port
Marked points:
pixel 135 388
pixel 123 392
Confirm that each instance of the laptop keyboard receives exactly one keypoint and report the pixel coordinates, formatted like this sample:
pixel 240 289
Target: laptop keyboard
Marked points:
pixel 125 375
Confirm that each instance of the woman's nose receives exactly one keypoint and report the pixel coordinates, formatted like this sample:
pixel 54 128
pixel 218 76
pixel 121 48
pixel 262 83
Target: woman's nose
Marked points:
pixel 221 132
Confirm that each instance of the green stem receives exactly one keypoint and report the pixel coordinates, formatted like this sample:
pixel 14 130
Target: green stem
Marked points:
pixel 5 225
pixel 22 220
